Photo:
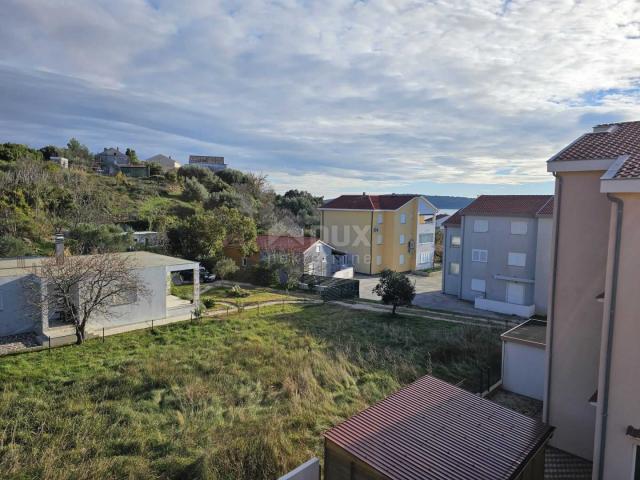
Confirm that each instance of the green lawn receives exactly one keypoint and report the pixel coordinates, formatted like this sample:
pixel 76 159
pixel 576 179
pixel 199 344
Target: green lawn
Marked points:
pixel 243 397
pixel 256 295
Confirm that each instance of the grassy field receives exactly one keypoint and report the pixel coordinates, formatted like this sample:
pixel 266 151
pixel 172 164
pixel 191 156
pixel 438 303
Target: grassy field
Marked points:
pixel 256 295
pixel 244 397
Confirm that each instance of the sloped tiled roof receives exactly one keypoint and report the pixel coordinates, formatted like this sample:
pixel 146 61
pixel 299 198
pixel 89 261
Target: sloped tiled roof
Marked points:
pixel 283 243
pixel 547 208
pixel 453 221
pixel 608 141
pixel 369 202
pixel 506 205
pixel 431 429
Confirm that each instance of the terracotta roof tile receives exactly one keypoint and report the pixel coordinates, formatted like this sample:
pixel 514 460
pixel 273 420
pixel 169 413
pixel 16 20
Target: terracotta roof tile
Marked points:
pixel 283 243
pixel 431 429
pixel 547 208
pixel 505 205
pixel 608 141
pixel 453 221
pixel 369 202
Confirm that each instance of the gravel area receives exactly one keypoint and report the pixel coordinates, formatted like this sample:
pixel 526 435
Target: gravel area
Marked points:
pixel 17 343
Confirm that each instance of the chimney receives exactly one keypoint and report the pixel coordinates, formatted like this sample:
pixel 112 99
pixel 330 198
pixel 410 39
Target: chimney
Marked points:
pixel 59 249
pixel 364 194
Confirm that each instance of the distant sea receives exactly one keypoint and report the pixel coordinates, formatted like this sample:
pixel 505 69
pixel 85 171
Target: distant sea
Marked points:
pixel 448 211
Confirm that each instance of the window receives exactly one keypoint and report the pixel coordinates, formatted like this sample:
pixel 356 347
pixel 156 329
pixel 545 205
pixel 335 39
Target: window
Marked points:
pixel 455 241
pixel 379 260
pixel 380 217
pixel 379 239
pixel 454 268
pixel 478 285
pixel 318 248
pixel 481 226
pixel 401 259
pixel 403 218
pixel 402 239
pixel 518 227
pixel 517 259
pixel 425 238
pixel 479 255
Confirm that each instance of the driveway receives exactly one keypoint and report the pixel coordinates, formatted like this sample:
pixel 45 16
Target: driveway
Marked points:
pixel 428 295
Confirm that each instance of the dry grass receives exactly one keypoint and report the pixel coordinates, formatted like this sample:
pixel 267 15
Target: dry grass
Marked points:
pixel 246 397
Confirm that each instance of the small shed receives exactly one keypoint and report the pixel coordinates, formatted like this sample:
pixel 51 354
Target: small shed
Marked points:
pixel 523 359
pixel 434 430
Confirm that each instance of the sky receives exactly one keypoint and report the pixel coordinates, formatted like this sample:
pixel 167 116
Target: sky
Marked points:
pixel 435 97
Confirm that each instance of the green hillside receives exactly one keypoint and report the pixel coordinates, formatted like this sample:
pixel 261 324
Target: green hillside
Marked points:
pixel 195 210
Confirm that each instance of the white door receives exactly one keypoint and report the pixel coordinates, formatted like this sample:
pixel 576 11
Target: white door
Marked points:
pixel 515 293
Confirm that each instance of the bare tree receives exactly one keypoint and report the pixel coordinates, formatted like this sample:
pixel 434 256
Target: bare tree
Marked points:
pixel 83 287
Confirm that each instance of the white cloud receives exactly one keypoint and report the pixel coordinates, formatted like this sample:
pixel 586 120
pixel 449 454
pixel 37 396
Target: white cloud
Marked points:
pixel 340 95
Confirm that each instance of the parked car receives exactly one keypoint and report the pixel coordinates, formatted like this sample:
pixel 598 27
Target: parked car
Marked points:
pixel 186 277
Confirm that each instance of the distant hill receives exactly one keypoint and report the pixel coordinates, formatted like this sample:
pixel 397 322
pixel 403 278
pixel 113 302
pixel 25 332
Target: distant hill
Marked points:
pixel 448 202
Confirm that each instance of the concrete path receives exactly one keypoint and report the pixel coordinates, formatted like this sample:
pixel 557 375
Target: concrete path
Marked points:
pixel 428 295
pixel 450 317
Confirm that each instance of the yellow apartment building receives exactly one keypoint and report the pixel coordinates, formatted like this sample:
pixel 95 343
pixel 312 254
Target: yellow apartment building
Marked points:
pixel 381 231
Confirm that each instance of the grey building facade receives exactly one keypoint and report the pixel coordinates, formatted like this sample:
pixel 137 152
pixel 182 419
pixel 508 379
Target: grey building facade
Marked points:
pixel 110 160
pixel 503 261
pixel 452 239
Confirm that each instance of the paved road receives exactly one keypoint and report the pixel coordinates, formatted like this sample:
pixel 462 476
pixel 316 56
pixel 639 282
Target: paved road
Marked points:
pixel 428 295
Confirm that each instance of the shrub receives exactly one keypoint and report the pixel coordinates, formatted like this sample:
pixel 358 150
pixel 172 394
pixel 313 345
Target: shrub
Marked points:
pixel 237 292
pixel 264 274
pixel 194 191
pixel 209 302
pixel 225 267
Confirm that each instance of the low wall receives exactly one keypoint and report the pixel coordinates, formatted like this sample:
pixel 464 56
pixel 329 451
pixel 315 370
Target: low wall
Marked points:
pixel 525 311
pixel 523 369
pixel 307 471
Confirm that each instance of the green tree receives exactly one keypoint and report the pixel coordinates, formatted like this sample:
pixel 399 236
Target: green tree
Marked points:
pixel 231 176
pixel 12 152
pixel 194 191
pixel 227 198
pixel 88 238
pixel 198 237
pixel 240 230
pixel 302 205
pixel 133 157
pixel 205 176
pixel 395 289
pixel 155 168
pixel 50 151
pixel 78 154
pixel 13 247
pixel 225 267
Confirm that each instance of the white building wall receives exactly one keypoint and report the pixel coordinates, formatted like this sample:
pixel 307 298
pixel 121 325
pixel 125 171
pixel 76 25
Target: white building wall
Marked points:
pixel 16 314
pixel 523 369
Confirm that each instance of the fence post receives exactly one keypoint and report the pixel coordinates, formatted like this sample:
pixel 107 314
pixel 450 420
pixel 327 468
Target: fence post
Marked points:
pixel 152 324
pixel 49 343
pixel 102 334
